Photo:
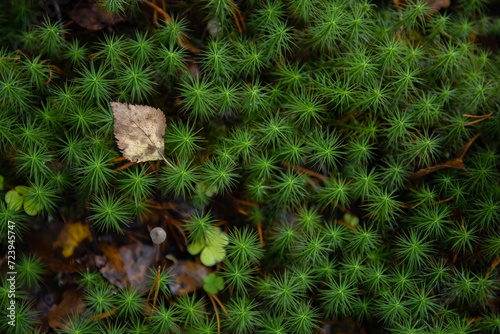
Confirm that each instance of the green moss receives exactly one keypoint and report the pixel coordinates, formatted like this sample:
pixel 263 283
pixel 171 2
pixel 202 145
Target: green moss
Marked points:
pixel 308 117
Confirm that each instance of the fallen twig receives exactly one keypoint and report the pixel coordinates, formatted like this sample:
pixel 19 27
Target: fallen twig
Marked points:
pixel 453 163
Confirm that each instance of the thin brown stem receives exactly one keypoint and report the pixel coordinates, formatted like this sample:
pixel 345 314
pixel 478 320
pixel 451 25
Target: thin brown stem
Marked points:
pixel 118 159
pixel 127 165
pixel 493 265
pixel 155 17
pixel 163 157
pixel 236 20
pixel 467 146
pixel 182 38
pixel 303 170
pixel 222 306
pixel 177 225
pixel 261 238
pixel 242 19
pixel 163 13
pixel 216 311
pixel 157 282
pixel 479 118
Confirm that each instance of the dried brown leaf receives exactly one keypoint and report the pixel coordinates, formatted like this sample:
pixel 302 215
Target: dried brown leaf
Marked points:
pixel 89 15
pixel 70 304
pixel 187 277
pixel 127 265
pixel 71 236
pixel 139 131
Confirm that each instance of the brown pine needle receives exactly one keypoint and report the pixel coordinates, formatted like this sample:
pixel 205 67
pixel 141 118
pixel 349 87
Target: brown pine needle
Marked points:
pixel 104 315
pixel 67 24
pixel 243 212
pixel 236 19
pixel 118 159
pixel 184 43
pixel 176 237
pixel 163 13
pixel 493 265
pixel 303 170
pixel 242 201
pixel 222 306
pixel 177 225
pixel 242 20
pixel 480 118
pixel 156 283
pixel 221 223
pixel 127 165
pixel 477 116
pixel 443 200
pixel 172 223
pixel 216 311
pixel 93 55
pixel 56 68
pixel 50 78
pixel 261 238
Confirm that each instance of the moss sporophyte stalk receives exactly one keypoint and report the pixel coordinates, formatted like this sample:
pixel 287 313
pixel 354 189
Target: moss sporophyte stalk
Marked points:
pixel 302 166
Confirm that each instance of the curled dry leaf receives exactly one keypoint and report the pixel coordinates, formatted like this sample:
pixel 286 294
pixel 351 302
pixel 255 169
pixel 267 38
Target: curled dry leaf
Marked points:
pixel 187 277
pixel 59 314
pixel 127 265
pixel 139 131
pixel 71 236
pixel 89 15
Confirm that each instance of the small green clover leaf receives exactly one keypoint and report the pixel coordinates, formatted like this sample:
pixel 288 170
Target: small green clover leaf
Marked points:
pixel 206 190
pixel 351 220
pixel 202 194
pixel 31 208
pixel 215 237
pixel 196 247
pixel 213 283
pixel 212 249
pixel 16 198
pixel 210 255
pixel 22 190
pixel 1 182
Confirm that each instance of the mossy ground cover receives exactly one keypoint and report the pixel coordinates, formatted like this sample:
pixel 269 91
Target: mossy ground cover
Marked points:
pixel 332 163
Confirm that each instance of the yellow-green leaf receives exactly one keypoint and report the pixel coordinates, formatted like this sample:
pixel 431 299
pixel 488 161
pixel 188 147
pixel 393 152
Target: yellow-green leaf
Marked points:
pixel 213 283
pixel 212 254
pixel 351 220
pixel 218 239
pixel 196 247
pixel 14 200
pixel 31 208
pixel 22 190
